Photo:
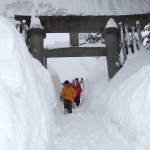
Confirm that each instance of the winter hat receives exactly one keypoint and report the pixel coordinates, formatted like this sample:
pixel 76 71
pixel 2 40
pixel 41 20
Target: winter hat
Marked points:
pixel 66 82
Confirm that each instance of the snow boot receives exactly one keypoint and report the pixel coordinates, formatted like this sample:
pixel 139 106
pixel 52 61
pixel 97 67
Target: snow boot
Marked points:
pixel 65 111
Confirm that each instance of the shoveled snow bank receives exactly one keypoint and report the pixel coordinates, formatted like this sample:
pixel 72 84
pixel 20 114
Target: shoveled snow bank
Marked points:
pixel 111 23
pixel 2 8
pixel 26 97
pixel 125 101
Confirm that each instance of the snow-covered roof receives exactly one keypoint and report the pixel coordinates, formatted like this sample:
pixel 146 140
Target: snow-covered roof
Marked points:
pixel 77 7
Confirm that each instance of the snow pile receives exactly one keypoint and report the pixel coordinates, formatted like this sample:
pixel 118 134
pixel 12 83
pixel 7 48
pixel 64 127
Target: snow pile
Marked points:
pixel 27 95
pixel 124 102
pixel 57 45
pixel 2 8
pixel 35 23
pixel 71 68
pixel 56 39
pixel 77 7
pixel 111 23
pixel 57 87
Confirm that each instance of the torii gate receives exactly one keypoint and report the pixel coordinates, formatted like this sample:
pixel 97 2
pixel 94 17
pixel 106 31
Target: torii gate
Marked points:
pixel 75 25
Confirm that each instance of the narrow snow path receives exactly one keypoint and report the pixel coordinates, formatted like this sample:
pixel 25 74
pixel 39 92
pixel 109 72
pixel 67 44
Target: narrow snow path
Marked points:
pixel 81 131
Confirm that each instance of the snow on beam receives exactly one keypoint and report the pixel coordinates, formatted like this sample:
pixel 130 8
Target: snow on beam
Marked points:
pixel 84 24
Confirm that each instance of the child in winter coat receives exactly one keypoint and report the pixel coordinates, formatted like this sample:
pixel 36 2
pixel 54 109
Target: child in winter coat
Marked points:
pixel 78 90
pixel 67 94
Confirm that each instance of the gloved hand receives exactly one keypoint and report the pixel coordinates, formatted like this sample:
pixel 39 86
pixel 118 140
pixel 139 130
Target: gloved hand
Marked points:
pixel 61 99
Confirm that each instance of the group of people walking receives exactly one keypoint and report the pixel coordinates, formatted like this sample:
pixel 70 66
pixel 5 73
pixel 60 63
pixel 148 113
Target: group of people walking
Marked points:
pixel 70 94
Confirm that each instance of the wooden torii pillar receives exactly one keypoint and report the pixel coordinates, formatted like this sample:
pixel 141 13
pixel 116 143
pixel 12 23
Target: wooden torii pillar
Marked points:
pixel 36 39
pixel 74 39
pixel 111 37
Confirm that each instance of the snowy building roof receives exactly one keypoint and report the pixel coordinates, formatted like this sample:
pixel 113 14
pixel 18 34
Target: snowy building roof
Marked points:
pixel 77 7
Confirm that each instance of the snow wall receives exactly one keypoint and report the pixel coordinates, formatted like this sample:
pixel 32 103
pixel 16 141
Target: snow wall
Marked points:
pixel 26 99
pixel 125 101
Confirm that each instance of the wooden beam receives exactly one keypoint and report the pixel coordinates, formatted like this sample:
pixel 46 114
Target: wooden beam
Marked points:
pixel 75 52
pixel 67 24
pixel 84 24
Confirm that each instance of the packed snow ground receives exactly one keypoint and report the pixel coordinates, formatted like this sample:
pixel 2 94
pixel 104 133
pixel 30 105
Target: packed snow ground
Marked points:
pixel 82 131
pixel 114 114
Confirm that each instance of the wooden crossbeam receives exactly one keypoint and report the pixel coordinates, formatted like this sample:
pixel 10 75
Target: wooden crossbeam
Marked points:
pixel 84 24
pixel 75 52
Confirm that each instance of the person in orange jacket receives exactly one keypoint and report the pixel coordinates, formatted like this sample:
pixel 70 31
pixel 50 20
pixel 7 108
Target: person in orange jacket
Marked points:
pixel 67 94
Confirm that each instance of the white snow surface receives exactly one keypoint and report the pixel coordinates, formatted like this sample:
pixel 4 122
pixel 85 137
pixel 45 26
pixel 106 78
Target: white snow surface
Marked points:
pixel 26 99
pixel 113 115
pixel 111 23
pixel 35 23
pixel 125 102
pixel 76 7
pixel 3 8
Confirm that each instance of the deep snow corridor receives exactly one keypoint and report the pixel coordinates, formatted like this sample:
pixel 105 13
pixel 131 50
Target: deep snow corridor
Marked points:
pixel 81 131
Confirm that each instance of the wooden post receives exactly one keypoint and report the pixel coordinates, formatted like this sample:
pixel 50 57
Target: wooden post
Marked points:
pixel 140 40
pixel 36 36
pixel 111 37
pixel 24 28
pixel 122 43
pixel 134 39
pixel 74 39
pixel 128 39
pixel 45 60
pixel 18 26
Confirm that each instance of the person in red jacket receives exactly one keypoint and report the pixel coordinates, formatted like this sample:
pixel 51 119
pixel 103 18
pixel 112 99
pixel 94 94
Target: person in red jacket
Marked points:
pixel 77 87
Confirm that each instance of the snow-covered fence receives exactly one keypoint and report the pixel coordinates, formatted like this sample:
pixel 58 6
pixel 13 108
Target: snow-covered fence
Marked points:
pixel 122 42
pixel 139 35
pixel 146 36
pixel 130 38
pixel 134 41
pixel 22 29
